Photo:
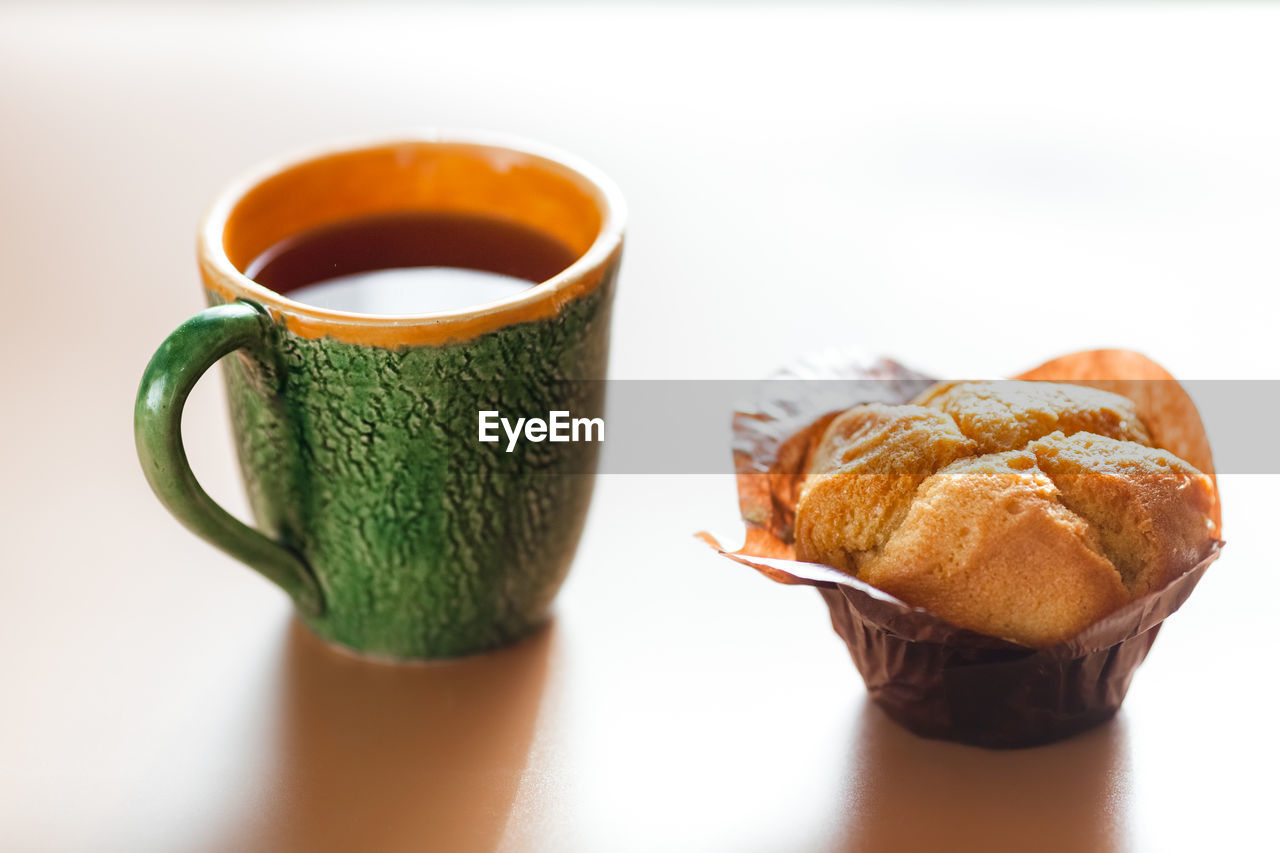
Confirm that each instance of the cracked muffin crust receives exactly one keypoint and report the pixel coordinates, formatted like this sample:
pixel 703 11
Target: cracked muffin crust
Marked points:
pixel 1025 510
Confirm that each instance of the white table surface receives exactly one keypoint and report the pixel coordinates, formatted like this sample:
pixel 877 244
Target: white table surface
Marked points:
pixel 973 188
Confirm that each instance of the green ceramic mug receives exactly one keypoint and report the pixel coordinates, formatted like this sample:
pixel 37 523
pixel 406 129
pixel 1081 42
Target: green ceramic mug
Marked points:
pixel 396 532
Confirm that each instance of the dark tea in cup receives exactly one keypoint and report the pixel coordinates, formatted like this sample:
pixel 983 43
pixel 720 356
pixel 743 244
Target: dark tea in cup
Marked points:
pixel 410 263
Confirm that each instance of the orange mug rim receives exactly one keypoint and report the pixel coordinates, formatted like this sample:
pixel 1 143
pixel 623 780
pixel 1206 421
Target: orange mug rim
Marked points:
pixel 541 300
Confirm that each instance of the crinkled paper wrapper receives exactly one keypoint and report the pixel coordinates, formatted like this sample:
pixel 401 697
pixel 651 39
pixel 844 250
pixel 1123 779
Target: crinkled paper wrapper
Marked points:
pixel 937 679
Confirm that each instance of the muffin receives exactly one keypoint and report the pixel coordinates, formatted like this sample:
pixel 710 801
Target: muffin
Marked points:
pixel 1021 510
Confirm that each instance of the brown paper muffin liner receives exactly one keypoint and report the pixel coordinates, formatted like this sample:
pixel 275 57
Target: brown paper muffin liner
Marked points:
pixel 937 679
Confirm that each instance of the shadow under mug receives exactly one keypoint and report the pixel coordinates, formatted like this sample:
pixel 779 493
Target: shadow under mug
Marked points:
pixel 396 532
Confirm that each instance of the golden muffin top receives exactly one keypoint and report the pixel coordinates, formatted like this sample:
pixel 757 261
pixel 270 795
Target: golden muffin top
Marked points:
pixel 1025 510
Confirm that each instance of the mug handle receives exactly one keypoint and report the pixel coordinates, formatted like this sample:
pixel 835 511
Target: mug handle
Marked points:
pixel 178 364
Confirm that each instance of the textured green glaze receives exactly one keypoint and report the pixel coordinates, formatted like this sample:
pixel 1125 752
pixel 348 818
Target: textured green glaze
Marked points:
pixel 366 461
